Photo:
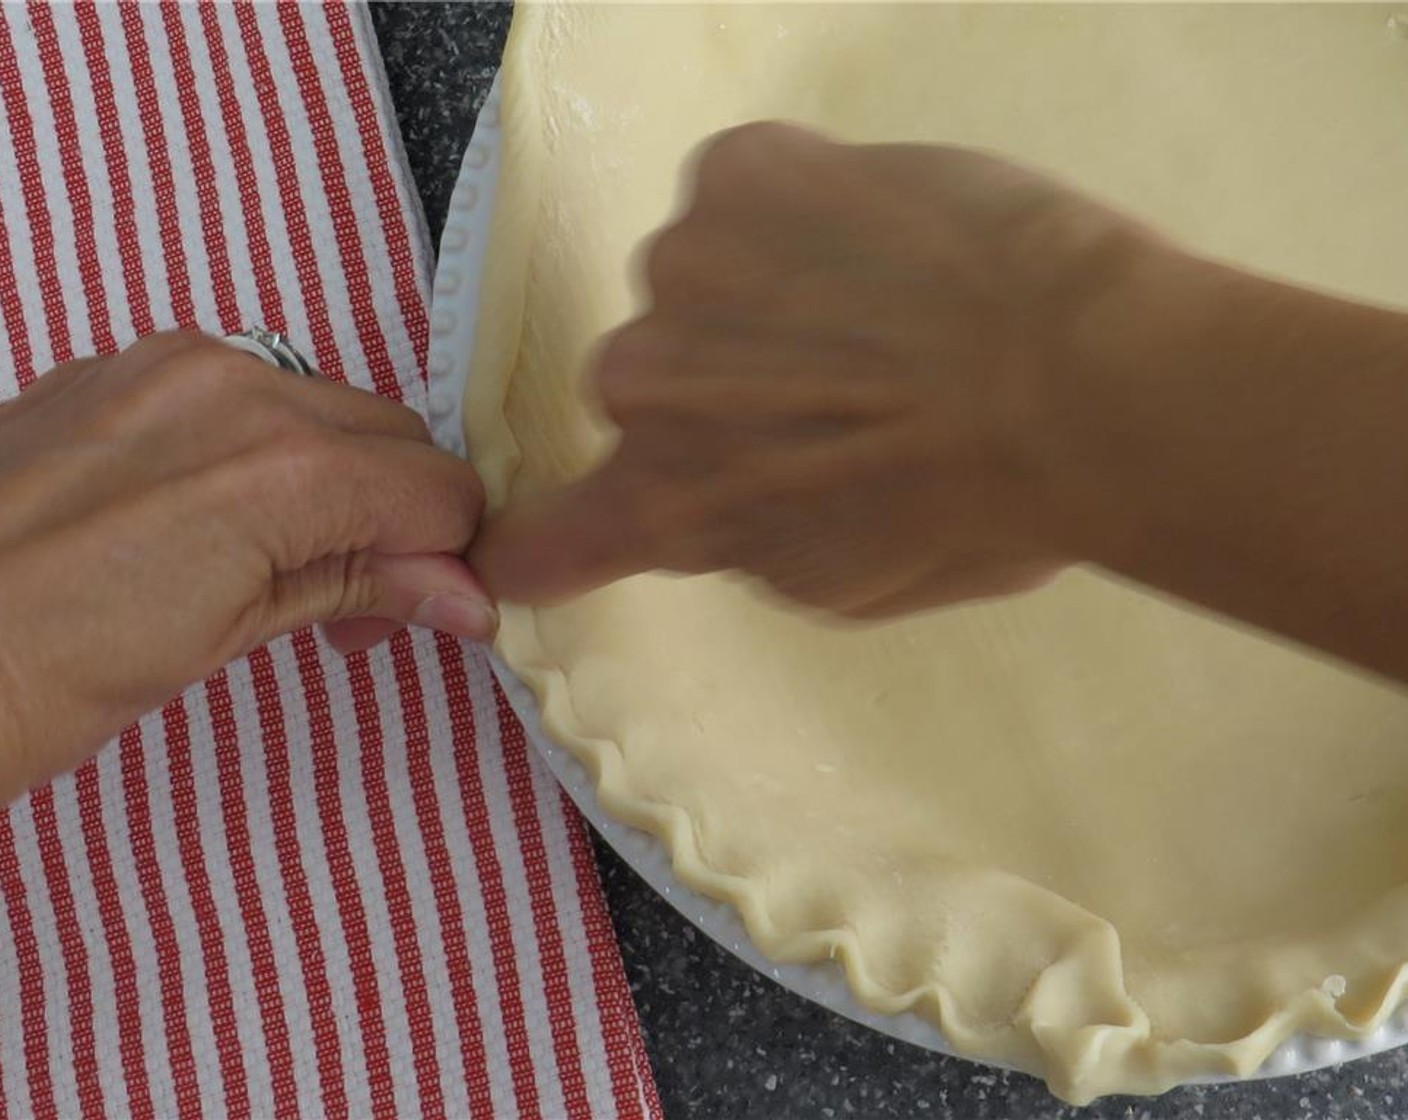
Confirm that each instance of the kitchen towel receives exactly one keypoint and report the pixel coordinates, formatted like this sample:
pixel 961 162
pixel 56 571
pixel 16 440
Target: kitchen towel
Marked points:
pixel 310 886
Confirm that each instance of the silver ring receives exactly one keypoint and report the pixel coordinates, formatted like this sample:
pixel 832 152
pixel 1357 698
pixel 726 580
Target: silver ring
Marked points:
pixel 272 347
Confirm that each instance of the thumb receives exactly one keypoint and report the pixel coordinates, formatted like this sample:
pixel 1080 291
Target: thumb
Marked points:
pixel 579 538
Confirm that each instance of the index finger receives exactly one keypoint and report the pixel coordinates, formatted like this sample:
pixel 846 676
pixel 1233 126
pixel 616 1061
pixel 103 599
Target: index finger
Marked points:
pixel 339 495
pixel 580 538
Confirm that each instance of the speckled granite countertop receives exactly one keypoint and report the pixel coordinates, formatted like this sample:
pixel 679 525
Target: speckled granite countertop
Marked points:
pixel 725 1042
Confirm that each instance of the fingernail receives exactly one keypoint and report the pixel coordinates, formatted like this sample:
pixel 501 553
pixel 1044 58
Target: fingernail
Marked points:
pixel 475 619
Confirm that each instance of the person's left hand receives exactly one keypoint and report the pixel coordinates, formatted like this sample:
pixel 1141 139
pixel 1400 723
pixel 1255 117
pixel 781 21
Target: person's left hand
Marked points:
pixel 169 508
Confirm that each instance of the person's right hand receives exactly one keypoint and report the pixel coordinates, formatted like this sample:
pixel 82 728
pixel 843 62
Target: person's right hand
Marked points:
pixel 842 384
pixel 887 378
pixel 167 509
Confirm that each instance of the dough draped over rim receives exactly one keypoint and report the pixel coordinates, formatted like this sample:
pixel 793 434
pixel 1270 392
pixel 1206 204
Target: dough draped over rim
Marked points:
pixel 1086 832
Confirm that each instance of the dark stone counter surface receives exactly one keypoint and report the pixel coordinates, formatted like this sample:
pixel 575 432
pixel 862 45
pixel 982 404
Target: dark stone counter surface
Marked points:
pixel 725 1042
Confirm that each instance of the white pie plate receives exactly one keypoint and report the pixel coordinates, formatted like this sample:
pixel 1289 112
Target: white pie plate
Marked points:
pixel 452 320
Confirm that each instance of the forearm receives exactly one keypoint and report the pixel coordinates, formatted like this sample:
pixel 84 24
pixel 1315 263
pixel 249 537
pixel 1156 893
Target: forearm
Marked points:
pixel 1243 444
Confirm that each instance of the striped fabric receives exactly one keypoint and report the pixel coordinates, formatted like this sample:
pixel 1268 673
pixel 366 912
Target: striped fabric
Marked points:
pixel 311 886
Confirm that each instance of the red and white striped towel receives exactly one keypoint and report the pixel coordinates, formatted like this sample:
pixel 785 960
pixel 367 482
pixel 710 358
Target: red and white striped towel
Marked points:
pixel 311 886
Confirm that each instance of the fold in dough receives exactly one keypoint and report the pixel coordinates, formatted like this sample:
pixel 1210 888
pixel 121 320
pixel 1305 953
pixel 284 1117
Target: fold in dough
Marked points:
pixel 1085 832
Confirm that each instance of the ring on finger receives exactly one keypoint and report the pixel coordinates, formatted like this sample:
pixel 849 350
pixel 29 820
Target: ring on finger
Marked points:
pixel 272 347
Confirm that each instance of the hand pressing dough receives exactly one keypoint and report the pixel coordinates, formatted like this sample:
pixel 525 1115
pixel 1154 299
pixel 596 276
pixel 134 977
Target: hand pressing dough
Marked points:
pixel 1085 831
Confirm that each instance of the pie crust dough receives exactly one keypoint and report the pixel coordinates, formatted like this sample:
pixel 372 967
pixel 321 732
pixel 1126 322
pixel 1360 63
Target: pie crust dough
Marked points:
pixel 1085 832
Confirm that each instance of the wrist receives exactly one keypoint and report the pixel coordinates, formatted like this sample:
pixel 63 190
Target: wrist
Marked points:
pixel 1237 442
pixel 1135 368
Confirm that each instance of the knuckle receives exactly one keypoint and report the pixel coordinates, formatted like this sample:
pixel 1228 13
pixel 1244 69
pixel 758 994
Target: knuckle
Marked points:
pixel 193 368
pixel 624 392
pixel 725 168
pixel 75 371
pixel 292 463
pixel 627 372
pixel 748 157
pixel 687 266
pixel 163 344
pixel 307 491
pixel 202 384
pixel 157 379
pixel 745 147
pixel 356 587
pixel 667 259
pixel 257 415
pixel 417 426
pixel 398 419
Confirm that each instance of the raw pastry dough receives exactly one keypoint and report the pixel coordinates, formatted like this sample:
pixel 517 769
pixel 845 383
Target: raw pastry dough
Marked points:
pixel 1086 832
